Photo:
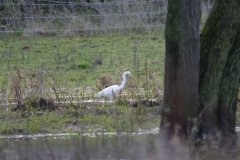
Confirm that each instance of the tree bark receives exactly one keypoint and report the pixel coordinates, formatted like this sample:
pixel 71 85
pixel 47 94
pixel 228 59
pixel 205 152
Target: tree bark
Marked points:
pixel 219 71
pixel 181 70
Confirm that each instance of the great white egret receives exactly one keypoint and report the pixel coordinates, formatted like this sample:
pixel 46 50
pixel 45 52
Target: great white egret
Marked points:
pixel 114 89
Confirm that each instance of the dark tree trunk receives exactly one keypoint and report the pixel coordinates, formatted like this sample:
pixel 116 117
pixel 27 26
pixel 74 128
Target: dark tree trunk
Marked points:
pixel 181 70
pixel 219 71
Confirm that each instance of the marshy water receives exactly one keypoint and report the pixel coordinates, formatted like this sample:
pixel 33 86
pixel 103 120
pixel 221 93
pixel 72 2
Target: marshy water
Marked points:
pixel 105 146
pixel 144 145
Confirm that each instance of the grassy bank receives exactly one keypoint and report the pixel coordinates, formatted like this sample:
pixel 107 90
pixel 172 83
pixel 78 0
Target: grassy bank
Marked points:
pixel 80 118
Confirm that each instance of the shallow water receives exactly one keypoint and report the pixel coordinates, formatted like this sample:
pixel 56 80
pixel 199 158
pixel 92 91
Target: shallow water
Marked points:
pixel 72 146
pixel 143 145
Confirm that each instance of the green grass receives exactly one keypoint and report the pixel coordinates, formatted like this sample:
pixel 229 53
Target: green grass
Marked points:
pixel 125 119
pixel 78 61
pixel 72 63
pixel 73 60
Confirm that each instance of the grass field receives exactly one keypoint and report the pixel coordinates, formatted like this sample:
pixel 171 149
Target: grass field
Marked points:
pixel 70 63
pixel 81 60
pixel 77 62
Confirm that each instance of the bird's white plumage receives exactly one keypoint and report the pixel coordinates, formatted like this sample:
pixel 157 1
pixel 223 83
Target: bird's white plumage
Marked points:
pixel 114 89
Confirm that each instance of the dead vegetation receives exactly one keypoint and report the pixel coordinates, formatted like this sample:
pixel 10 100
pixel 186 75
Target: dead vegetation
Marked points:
pixel 36 102
pixel 104 81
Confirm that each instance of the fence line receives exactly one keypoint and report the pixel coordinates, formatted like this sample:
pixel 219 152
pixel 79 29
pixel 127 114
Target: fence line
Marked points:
pixel 89 29
pixel 78 30
pixel 81 16
pixel 84 3
pixel 111 21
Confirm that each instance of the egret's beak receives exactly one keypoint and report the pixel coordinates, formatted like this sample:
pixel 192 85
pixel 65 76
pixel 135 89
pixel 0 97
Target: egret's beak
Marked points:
pixel 133 77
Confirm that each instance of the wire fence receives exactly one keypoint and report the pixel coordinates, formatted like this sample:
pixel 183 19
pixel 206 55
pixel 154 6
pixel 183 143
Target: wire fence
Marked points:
pixel 60 3
pixel 57 17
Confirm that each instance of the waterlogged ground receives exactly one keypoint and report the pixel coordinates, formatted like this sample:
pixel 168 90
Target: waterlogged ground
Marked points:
pixel 68 146
pixel 116 130
pixel 78 118
pixel 143 145
pixel 80 131
pixel 102 132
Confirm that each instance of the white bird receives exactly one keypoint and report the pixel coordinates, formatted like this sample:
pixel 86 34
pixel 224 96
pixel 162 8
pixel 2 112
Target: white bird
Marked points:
pixel 114 89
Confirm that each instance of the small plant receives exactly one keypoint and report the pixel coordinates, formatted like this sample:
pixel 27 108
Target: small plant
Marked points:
pixel 81 64
pixel 104 81
pixel 26 109
pixel 15 81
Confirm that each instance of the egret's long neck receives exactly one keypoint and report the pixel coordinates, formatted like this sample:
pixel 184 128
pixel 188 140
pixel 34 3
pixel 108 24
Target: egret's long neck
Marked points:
pixel 124 81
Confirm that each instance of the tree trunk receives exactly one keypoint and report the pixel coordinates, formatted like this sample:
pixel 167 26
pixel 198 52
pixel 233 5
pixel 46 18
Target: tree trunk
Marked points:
pixel 219 71
pixel 181 70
